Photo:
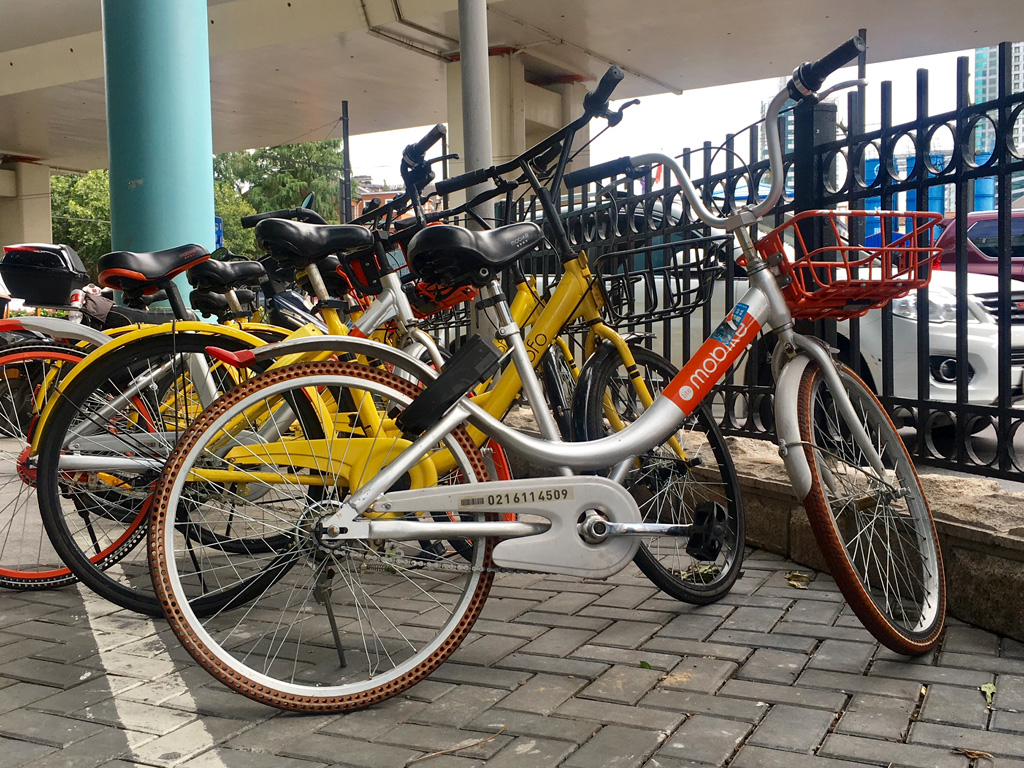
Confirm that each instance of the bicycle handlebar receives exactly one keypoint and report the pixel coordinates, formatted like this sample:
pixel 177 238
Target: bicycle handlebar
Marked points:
pixel 463 181
pixel 808 77
pixel 596 101
pixel 414 153
pixel 597 172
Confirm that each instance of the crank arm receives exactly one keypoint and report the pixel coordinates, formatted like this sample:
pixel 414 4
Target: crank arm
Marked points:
pixel 413 530
pixel 596 529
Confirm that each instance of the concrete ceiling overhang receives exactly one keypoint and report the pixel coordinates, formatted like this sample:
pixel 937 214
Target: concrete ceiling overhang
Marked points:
pixel 281 69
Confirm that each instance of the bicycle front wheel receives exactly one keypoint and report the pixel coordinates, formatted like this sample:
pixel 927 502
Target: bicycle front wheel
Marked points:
pixel 332 625
pixel 875 533
pixel 676 483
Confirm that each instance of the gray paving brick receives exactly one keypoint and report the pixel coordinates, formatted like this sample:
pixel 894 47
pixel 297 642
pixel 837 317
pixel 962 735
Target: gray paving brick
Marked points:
pixel 796 729
pixel 781 642
pixel 771 666
pixel 922 673
pixel 841 681
pixel 572 667
pixel 487 649
pixel 107 745
pixel 763 598
pixel 699 674
pixel 1011 649
pixel 459 706
pixel 771 592
pixel 953 737
pixel 1009 691
pixel 369 723
pixel 853 634
pixel 615 747
pixel 566 602
pixel 784 694
pixel 15 753
pixel 972 661
pixel 1007 722
pixel 887 753
pixel 626 634
pixel 965 639
pixel 46 729
pixel 619 714
pixel 752 619
pixel 558 642
pixel 285 731
pixel 955 706
pixel 528 724
pixel 90 692
pixel 881 717
pixel 135 716
pixel 42 672
pixel 705 739
pixel 340 751
pixel 635 658
pixel 760 757
pixel 691 627
pixel 812 612
pixel 189 741
pixel 515 629
pixel 692 703
pixel 842 656
pixel 528 750
pixel 626 596
pixel 505 608
pixel 18 695
pixel 659 617
pixel 681 647
pixel 593 624
pixel 434 738
pixel 230 758
pixel 428 690
pixel 488 677
pixel 542 695
pixel 622 684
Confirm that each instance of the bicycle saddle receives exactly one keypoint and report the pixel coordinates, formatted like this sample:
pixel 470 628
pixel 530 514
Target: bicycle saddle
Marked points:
pixel 221 276
pixel 297 244
pixel 453 256
pixel 129 270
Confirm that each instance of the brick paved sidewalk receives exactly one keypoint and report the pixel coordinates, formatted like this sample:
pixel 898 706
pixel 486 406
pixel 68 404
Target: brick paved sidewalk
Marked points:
pixel 557 672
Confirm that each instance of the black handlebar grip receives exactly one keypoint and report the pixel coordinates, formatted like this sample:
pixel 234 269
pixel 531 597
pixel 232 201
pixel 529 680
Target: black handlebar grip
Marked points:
pixel 596 101
pixel 308 215
pixel 255 218
pixel 455 183
pixel 597 172
pixel 813 74
pixel 415 152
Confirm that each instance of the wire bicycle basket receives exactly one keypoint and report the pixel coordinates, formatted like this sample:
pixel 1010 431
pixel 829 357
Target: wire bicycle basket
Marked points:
pixel 841 264
pixel 658 281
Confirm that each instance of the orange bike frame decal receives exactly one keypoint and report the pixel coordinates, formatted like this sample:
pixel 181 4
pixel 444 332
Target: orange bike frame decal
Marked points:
pixel 709 364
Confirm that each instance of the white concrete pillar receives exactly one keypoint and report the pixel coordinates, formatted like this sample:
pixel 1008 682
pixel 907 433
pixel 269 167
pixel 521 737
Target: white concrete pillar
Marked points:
pixel 25 204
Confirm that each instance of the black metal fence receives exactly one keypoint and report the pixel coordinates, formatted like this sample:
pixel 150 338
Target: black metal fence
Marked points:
pixel 947 361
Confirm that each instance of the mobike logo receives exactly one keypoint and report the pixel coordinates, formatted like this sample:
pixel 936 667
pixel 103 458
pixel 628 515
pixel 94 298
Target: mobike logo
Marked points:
pixel 702 372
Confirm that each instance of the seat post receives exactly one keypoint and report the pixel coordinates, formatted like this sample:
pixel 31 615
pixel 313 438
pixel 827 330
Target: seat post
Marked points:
pixel 181 312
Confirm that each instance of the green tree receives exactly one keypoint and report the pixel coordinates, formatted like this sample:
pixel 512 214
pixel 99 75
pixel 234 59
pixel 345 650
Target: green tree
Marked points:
pixel 231 207
pixel 80 206
pixel 280 177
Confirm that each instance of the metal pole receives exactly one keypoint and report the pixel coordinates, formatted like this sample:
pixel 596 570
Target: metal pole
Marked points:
pixel 345 198
pixel 476 110
pixel 476 93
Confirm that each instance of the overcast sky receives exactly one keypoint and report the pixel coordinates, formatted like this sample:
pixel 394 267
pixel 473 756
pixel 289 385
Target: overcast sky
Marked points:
pixel 668 123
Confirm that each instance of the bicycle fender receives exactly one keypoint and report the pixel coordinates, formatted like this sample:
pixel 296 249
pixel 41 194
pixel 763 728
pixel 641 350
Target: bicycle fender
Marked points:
pixel 57 328
pixel 787 425
pixel 583 384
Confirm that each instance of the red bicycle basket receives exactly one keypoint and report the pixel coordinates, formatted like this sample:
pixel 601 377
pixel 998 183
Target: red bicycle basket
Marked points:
pixel 843 279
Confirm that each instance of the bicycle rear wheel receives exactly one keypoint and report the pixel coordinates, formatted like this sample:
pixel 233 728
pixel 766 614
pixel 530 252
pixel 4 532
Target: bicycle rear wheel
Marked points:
pixel 29 374
pixel 119 419
pixel 875 533
pixel 670 488
pixel 336 625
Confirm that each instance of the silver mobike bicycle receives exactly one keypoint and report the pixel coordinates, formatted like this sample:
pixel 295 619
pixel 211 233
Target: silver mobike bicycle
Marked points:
pixel 344 616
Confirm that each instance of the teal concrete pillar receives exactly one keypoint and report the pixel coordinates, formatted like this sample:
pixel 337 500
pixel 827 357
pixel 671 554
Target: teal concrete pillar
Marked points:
pixel 159 127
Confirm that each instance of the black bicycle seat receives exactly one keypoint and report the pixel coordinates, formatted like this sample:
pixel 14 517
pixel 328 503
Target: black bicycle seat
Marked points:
pixel 297 244
pixel 130 270
pixel 221 276
pixel 453 256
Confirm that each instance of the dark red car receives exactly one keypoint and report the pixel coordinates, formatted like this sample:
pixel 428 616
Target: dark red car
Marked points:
pixel 983 242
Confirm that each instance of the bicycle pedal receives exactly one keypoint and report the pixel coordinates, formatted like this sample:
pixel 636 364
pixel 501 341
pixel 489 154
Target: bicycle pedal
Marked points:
pixel 431 550
pixel 709 527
